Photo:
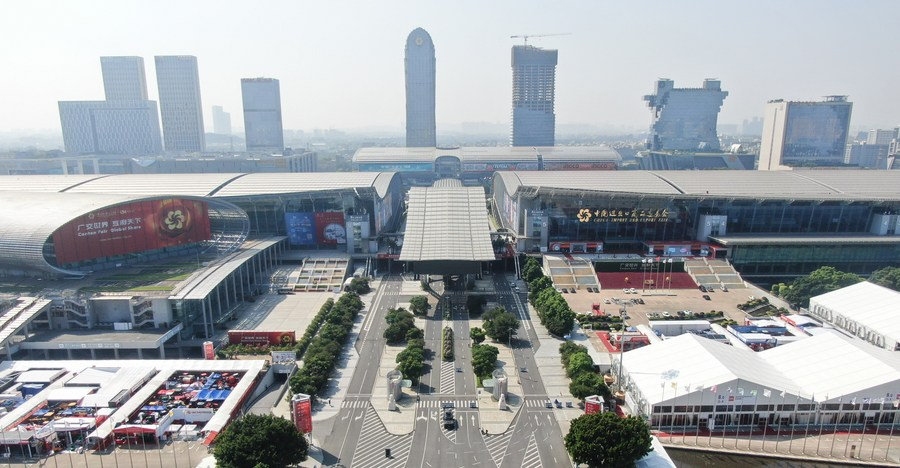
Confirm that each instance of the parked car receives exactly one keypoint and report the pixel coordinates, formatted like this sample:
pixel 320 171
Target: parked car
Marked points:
pixel 724 288
pixel 666 314
pixel 632 291
pixel 703 288
pixel 706 296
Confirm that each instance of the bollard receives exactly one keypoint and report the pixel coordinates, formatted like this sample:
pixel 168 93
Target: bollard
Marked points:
pixel 387 453
pixel 853 451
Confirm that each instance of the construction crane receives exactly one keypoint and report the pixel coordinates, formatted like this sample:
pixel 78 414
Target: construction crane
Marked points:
pixel 526 36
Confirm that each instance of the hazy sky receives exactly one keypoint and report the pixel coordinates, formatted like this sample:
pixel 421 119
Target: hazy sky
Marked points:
pixel 340 63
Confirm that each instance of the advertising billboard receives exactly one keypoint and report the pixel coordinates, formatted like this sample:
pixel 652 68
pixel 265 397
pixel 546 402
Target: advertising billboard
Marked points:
pixel 330 227
pixel 209 351
pixel 593 404
pixel 258 338
pixel 301 410
pixel 301 229
pixel 131 228
pixel 284 357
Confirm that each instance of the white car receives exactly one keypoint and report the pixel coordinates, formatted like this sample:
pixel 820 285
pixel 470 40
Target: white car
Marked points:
pixel 626 291
pixel 632 291
pixel 666 314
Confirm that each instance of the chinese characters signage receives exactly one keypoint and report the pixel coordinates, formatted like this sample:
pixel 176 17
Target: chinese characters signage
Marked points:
pixel 634 215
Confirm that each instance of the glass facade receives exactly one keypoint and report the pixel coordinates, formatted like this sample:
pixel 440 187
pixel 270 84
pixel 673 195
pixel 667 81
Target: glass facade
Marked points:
pixel 816 133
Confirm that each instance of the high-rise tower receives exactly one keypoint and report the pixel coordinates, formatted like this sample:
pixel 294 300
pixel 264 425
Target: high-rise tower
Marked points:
pixel 805 133
pixel 420 86
pixel 684 119
pixel 178 80
pixel 124 78
pixel 221 121
pixel 533 96
pixel 125 123
pixel 262 114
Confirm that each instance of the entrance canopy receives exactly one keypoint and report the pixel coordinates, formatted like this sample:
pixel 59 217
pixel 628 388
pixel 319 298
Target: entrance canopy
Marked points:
pixel 447 229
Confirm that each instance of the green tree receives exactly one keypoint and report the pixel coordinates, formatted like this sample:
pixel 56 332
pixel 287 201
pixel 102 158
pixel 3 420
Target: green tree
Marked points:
pixel 414 333
pixel 888 277
pixel 410 362
pixel 253 440
pixel 578 363
pixel 419 305
pixel 500 324
pixel 477 335
pixel 567 349
pixel 821 281
pixel 359 286
pixel 532 270
pixel 540 284
pixel 586 384
pixel 484 358
pixel 605 439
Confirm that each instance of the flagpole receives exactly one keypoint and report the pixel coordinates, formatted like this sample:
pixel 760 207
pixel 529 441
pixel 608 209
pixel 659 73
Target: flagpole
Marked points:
pixel 793 423
pixel 684 426
pixel 877 426
pixel 780 418
pixel 834 433
pixel 714 389
pixel 849 426
pixel 815 412
pixel 820 421
pixel 895 404
pixel 736 413
pixel 674 400
pixel 768 394
pixel 699 413
pixel 754 421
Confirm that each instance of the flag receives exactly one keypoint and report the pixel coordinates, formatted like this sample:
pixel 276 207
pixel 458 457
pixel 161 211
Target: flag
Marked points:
pixel 674 385
pixel 767 393
pixel 730 390
pixel 782 393
pixel 740 391
pixel 853 401
pixel 687 387
pixel 714 388
pixel 865 401
pixel 752 392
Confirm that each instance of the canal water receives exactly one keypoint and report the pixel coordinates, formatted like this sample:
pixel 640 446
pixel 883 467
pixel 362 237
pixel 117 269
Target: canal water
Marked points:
pixel 695 459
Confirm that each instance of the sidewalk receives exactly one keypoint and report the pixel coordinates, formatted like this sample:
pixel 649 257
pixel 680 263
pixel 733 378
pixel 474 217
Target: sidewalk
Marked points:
pixel 549 363
pixel 492 418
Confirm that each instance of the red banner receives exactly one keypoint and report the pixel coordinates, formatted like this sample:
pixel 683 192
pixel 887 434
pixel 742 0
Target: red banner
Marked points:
pixel 330 227
pixel 257 338
pixel 131 228
pixel 302 412
pixel 209 351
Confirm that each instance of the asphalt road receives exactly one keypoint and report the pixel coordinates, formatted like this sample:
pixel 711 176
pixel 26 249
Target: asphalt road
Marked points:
pixel 356 436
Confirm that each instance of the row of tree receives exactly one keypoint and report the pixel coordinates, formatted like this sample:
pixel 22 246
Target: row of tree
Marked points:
pixel 827 279
pixel 605 439
pixel 411 361
pixel 359 286
pixel 322 354
pixel 299 348
pixel 447 344
pixel 400 322
pixel 419 305
pixel 260 441
pixel 552 308
pixel 585 381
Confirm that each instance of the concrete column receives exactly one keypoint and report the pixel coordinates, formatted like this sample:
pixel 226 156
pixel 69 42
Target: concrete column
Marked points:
pixel 140 353
pixel 162 351
pixel 93 355
pixel 69 354
pixel 47 354
pixel 116 353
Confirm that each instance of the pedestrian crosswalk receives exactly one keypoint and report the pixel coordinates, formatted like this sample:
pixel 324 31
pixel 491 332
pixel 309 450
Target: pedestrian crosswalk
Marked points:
pixel 448 377
pixel 458 403
pixel 497 445
pixel 542 403
pixel 374 439
pixel 355 404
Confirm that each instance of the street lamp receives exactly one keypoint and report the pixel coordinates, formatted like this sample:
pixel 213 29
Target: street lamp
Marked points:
pixel 623 313
pixel 643 274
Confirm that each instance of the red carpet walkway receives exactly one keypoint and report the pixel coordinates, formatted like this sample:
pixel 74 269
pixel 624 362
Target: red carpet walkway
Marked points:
pixel 633 280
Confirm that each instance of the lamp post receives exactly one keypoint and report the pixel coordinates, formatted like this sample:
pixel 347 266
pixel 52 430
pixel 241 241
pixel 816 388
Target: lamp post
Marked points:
pixel 623 312
pixel 643 274
pixel 669 276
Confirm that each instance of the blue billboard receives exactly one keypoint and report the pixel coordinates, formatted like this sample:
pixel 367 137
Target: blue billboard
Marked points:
pixel 301 228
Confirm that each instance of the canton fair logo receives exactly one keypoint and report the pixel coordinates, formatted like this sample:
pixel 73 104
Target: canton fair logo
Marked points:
pixel 584 215
pixel 175 220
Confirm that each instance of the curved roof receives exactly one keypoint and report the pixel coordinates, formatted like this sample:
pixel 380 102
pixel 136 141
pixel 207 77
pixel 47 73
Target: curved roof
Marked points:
pixel 201 185
pixel 483 154
pixel 26 222
pixel 807 185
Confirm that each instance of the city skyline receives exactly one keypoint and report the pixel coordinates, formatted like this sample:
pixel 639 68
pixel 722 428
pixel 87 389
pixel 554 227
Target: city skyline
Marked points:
pixel 603 74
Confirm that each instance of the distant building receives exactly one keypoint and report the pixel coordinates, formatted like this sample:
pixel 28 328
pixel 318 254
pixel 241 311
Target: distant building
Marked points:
pixel 880 137
pixel 221 121
pixel 682 161
pixel 125 123
pixel 178 80
pixel 420 90
pixel 684 119
pixel 124 78
pixel 805 133
pixel 110 127
pixel 752 127
pixel 872 156
pixel 533 96
pixel 262 114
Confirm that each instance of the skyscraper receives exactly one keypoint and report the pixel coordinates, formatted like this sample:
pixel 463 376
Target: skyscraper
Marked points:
pixel 178 80
pixel 125 123
pixel 124 78
pixel 420 89
pixel 262 114
pixel 221 121
pixel 684 119
pixel 533 96
pixel 805 133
